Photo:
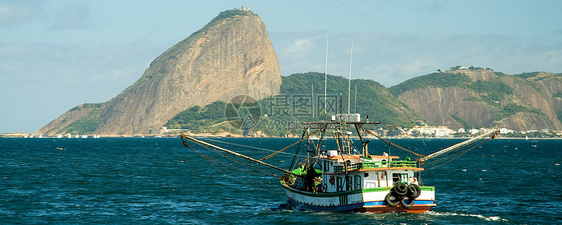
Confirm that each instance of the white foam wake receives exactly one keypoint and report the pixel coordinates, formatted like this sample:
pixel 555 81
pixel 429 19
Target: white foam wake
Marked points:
pixel 487 218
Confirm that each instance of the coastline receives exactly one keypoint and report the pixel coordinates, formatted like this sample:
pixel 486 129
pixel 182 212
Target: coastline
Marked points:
pixel 231 135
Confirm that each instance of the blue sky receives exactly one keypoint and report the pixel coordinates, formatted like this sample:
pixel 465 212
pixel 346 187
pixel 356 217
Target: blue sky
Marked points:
pixel 55 55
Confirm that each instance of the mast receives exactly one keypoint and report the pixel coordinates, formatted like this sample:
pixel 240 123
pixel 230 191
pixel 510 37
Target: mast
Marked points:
pixel 355 98
pixel 326 78
pixel 349 80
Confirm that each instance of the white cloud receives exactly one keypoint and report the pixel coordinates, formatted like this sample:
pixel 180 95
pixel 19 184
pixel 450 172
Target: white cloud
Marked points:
pixel 45 81
pixel 72 16
pixel 391 58
pixel 300 48
pixel 13 13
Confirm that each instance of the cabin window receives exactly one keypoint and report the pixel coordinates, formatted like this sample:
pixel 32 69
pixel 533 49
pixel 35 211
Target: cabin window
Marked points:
pixel 357 182
pixel 325 166
pixel 349 184
pixel 339 184
pixel 404 177
pixel 399 177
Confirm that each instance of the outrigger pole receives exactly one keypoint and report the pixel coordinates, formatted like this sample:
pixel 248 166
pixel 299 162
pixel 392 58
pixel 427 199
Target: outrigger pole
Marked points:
pixel 205 144
pixel 491 134
pixel 422 158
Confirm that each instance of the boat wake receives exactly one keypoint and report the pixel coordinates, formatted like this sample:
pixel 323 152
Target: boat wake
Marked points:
pixel 482 217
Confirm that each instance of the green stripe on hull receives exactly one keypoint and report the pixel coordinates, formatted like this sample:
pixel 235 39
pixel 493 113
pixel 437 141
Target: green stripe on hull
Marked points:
pixel 323 194
pixel 337 194
pixel 385 189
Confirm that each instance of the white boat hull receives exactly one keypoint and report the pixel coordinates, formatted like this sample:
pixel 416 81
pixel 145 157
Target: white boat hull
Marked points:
pixel 368 199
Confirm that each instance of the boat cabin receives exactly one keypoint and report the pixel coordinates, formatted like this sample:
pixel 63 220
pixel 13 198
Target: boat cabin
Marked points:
pixel 346 172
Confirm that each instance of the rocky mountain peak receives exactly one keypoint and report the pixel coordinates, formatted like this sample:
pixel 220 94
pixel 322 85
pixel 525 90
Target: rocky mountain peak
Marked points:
pixel 230 56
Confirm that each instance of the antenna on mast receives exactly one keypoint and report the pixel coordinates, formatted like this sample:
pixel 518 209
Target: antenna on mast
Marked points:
pixel 349 81
pixel 355 98
pixel 326 78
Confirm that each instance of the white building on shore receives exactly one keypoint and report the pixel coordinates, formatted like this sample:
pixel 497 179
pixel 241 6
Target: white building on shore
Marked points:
pixel 440 131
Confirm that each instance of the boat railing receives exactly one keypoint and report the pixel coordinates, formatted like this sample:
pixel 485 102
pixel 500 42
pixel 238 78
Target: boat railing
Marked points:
pixel 373 165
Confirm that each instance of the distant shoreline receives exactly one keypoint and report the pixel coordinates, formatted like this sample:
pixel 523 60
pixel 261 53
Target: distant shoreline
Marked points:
pixel 225 135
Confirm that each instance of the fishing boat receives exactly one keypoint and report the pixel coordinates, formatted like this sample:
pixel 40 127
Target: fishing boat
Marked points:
pixel 345 176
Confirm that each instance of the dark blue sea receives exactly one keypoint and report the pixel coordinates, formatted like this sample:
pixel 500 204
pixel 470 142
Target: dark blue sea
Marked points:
pixel 159 181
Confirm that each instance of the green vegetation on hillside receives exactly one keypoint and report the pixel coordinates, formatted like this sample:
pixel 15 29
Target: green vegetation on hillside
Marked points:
pixel 226 15
pixel 372 98
pixel 283 113
pixel 89 123
pixel 491 90
pixel 85 125
pixel 527 75
pixel 442 80
pixel 559 115
pixel 464 123
pixel 93 106
pixel 199 119
pixel 493 93
pixel 512 109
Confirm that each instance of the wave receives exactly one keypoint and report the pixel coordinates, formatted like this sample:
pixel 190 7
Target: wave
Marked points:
pixel 482 217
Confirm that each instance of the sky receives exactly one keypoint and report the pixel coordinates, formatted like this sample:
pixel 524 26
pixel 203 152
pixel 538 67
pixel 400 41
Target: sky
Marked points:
pixel 57 54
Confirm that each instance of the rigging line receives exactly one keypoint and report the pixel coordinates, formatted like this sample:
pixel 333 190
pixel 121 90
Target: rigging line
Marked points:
pixel 390 143
pixel 296 157
pixel 233 178
pixel 212 161
pixel 203 156
pixel 277 152
pixel 457 156
pixel 222 163
pixel 243 146
pixel 476 139
pixel 336 139
pixel 209 160
pixel 444 157
pixel 202 143
pixel 313 145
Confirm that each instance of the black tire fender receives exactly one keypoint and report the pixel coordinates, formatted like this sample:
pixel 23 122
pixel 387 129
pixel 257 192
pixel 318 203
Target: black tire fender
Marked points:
pixel 389 201
pixel 407 206
pixel 400 189
pixel 414 191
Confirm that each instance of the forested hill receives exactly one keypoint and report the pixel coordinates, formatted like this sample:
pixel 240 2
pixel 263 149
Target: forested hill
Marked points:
pixel 367 96
pixel 467 98
pixel 476 97
pixel 301 100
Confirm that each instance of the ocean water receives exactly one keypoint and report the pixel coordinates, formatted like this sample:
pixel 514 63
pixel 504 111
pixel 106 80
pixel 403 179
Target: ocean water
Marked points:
pixel 159 181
